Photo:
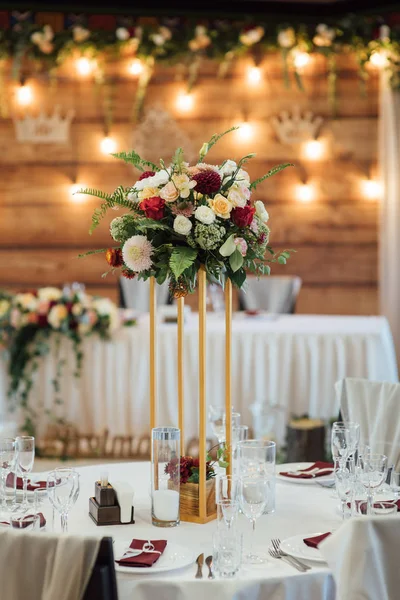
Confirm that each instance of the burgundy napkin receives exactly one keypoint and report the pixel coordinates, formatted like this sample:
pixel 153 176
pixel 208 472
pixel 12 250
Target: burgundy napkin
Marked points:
pixel 42 520
pixel 361 505
pixel 145 559
pixel 38 485
pixel 303 473
pixel 315 541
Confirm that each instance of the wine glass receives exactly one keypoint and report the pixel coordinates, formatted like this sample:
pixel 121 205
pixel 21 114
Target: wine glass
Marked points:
pixel 345 438
pixel 7 459
pixel 63 488
pixel 253 497
pixel 25 456
pixel 344 483
pixel 372 472
pixel 217 419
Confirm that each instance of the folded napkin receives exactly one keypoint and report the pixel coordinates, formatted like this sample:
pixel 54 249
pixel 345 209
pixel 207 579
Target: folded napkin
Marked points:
pixel 315 541
pixel 361 505
pixel 145 559
pixel 304 473
pixel 37 485
pixel 25 521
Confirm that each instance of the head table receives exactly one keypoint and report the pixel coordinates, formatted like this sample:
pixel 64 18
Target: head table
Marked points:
pixel 300 509
pixel 290 360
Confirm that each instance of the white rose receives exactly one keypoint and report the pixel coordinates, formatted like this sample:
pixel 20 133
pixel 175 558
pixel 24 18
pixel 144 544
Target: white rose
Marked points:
pixel 160 178
pixel 122 34
pixel 239 194
pixel 182 225
pixel 261 211
pixel 158 39
pixel 4 306
pixel 205 215
pixel 77 310
pixel 49 294
pixel 26 301
pixel 243 177
pixel 56 315
pixel 227 168
pixel 106 308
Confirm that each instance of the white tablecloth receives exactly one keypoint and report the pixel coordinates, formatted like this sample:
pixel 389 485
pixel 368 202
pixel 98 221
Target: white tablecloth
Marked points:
pixel 291 360
pixel 300 509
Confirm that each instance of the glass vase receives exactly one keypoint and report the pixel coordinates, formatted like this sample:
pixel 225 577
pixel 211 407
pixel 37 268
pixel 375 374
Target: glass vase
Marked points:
pixel 165 476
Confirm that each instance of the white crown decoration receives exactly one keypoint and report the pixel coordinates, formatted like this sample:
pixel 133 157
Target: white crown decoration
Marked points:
pixel 44 129
pixel 295 128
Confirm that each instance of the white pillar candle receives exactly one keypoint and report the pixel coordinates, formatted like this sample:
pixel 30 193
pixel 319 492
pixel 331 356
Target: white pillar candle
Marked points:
pixel 166 505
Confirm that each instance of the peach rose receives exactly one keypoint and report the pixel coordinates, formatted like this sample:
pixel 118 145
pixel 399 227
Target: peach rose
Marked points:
pixel 169 193
pixel 221 206
pixel 148 192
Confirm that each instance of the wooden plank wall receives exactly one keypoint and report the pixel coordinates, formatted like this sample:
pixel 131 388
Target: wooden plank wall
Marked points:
pixel 42 230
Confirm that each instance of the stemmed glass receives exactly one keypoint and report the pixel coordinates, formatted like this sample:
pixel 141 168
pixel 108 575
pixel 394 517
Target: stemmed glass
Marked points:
pixel 7 459
pixel 253 497
pixel 217 419
pixel 345 439
pixel 345 486
pixel 25 456
pixel 372 472
pixel 63 489
pixel 227 499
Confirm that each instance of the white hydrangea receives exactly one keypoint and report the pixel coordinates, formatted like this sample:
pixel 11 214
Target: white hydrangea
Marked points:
pixel 205 215
pixel 182 225
pixel 49 294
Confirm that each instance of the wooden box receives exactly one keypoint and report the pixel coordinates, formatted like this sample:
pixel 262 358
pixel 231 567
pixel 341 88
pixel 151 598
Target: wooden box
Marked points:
pixel 189 502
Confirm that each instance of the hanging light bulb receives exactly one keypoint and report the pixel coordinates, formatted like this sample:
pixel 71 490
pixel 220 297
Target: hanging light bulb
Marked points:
pixel 73 191
pixel 371 189
pixel 24 94
pixel 135 67
pixel 84 66
pixel 313 150
pixel 378 59
pixel 245 131
pixel 108 145
pixel 301 59
pixel 305 193
pixel 184 102
pixel 254 75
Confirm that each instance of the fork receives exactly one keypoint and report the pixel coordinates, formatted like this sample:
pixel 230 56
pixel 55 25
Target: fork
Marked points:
pixel 276 554
pixel 276 543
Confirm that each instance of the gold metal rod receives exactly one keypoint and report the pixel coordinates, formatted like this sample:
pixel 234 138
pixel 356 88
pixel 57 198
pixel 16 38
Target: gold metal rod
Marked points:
pixel 202 392
pixel 228 372
pixel 181 399
pixel 153 354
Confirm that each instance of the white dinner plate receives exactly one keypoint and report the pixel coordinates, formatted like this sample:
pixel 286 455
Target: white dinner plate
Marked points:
pixel 174 557
pixel 296 547
pixel 297 467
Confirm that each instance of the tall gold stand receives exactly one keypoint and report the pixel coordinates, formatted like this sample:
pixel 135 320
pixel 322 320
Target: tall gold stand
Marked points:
pixel 202 394
pixel 153 354
pixel 181 400
pixel 228 372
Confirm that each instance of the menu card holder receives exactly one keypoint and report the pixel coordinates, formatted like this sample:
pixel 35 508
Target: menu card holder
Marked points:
pixel 104 508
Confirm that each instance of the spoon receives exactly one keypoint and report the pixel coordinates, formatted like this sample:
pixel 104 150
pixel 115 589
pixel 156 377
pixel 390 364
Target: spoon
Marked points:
pixel 209 562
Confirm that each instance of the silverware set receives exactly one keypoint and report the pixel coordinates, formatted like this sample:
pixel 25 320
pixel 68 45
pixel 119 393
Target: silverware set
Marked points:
pixel 278 553
pixel 200 563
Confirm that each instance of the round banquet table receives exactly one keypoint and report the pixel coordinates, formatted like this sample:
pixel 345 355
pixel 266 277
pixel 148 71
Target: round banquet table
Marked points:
pixel 300 509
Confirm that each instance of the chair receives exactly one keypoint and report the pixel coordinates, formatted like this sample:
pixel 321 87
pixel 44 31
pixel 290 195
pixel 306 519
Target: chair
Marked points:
pixel 276 294
pixel 134 294
pixel 102 583
pixel 375 406
pixel 363 557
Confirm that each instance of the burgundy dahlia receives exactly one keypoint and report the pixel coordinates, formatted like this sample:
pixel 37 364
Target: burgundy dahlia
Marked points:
pixel 207 182
pixel 146 174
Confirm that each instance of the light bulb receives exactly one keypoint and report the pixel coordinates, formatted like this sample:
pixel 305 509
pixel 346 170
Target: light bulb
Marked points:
pixel 245 131
pixel 378 59
pixel 84 66
pixel 136 67
pixel 254 75
pixel 313 150
pixel 371 189
pixel 108 145
pixel 301 59
pixel 24 95
pixel 74 189
pixel 305 193
pixel 184 102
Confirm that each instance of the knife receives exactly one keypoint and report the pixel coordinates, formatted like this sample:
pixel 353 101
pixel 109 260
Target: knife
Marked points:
pixel 200 562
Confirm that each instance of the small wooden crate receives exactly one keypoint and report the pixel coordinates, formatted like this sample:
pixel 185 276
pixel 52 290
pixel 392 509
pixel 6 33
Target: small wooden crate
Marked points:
pixel 189 502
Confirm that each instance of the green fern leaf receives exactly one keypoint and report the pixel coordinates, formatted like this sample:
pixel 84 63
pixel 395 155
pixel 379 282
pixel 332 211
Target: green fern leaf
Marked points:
pixel 213 140
pixel 95 193
pixel 181 259
pixel 134 159
pixel 271 172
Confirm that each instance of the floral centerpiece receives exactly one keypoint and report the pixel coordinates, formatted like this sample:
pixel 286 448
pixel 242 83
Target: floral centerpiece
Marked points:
pixel 185 217
pixel 28 323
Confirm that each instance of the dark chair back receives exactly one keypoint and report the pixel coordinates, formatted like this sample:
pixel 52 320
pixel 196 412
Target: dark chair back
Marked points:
pixel 102 583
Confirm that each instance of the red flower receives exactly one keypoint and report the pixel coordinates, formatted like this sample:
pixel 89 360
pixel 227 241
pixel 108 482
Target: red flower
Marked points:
pixel 146 174
pixel 114 257
pixel 242 217
pixel 153 207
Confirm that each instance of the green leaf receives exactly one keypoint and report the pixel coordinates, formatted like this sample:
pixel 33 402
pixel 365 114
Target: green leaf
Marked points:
pixel 133 158
pixel 228 247
pixel 143 224
pixel 236 260
pixel 238 278
pixel 181 259
pixel 223 464
pixel 177 159
pixel 270 173
pixel 214 139
pixel 281 260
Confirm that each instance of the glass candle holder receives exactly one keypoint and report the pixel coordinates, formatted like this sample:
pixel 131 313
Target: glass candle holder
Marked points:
pixel 165 476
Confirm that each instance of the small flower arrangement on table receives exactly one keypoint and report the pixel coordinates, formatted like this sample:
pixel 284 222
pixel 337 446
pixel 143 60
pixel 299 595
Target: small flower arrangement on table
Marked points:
pixel 185 217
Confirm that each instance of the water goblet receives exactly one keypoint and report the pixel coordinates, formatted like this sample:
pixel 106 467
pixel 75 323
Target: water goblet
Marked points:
pixel 44 508
pixel 344 482
pixel 372 472
pixel 254 492
pixel 257 457
pixel 25 456
pixel 395 484
pixel 227 552
pixel 63 488
pixel 345 438
pixel 217 420
pixel 7 460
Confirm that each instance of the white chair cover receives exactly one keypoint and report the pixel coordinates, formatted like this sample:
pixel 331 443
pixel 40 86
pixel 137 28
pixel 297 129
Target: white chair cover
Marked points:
pixel 363 556
pixel 375 406
pixel 136 294
pixel 40 566
pixel 274 294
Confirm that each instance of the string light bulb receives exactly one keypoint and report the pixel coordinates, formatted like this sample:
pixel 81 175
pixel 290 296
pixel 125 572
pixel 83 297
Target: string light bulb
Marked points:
pixel 135 67
pixel 371 189
pixel 184 102
pixel 245 131
pixel 108 145
pixel 73 191
pixel 305 193
pixel 313 149
pixel 24 94
pixel 254 75
pixel 301 59
pixel 84 66
pixel 378 59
